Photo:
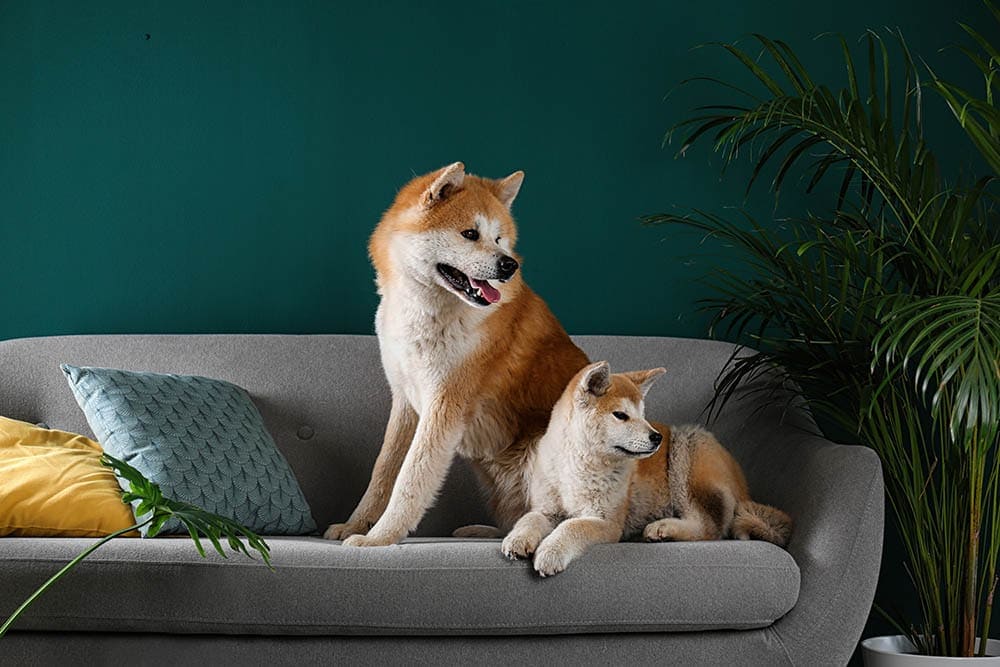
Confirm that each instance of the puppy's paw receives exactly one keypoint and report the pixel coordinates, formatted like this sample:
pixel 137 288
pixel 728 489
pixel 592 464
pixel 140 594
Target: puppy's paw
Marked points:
pixel 478 530
pixel 519 545
pixel 341 531
pixel 658 531
pixel 683 530
pixel 369 541
pixel 551 559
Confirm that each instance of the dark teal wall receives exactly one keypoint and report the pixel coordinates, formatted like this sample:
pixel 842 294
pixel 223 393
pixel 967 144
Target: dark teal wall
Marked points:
pixel 224 174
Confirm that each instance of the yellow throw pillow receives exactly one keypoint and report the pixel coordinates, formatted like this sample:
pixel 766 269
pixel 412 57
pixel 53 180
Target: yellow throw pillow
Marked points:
pixel 52 483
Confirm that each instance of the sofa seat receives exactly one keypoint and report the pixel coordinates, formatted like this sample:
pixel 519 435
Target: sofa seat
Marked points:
pixel 425 586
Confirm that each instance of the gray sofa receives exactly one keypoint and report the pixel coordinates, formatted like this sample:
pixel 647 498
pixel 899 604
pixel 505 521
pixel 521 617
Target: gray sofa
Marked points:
pixel 434 599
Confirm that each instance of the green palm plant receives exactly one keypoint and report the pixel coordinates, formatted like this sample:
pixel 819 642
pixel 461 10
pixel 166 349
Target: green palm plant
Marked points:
pixel 155 510
pixel 883 312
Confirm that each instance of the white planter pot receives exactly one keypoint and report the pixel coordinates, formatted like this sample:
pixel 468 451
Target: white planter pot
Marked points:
pixel 898 651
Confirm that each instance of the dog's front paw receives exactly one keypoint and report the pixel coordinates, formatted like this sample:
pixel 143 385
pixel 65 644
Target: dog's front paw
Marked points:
pixel 551 559
pixel 369 541
pixel 518 545
pixel 341 531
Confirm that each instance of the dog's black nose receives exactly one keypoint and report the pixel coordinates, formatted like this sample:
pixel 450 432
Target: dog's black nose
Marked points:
pixel 655 438
pixel 506 267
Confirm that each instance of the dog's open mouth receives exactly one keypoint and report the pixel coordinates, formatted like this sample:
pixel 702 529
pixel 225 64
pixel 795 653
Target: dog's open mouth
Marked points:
pixel 480 292
pixel 637 453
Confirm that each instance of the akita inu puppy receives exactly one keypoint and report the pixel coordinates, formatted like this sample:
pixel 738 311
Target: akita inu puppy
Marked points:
pixel 475 360
pixel 583 467
pixel 600 474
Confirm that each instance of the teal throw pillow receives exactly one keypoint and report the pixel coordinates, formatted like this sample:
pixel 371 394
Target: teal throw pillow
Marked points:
pixel 202 440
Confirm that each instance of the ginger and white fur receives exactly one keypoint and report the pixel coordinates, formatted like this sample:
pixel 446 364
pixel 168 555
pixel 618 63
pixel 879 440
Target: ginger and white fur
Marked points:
pixel 693 490
pixel 600 474
pixel 583 466
pixel 473 372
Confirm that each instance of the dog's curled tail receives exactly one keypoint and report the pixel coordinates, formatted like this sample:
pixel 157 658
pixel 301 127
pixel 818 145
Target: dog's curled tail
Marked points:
pixel 755 521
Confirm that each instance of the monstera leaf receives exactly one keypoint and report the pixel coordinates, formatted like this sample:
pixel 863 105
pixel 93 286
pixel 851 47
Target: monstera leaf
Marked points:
pixel 199 523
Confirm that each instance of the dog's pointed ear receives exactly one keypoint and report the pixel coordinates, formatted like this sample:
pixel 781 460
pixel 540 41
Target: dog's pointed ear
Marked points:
pixel 596 379
pixel 507 188
pixel 645 379
pixel 446 182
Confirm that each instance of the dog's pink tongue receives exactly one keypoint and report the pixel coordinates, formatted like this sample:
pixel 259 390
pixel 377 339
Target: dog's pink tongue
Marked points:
pixel 490 293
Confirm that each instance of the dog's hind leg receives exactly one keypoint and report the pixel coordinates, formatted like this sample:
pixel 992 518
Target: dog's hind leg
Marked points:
pixel 478 530
pixel 680 530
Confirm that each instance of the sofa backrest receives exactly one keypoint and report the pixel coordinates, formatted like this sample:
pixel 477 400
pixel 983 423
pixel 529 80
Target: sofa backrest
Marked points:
pixel 325 400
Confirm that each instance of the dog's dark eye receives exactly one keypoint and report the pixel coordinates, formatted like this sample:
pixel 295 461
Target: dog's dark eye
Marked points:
pixel 471 234
pixel 498 240
pixel 620 415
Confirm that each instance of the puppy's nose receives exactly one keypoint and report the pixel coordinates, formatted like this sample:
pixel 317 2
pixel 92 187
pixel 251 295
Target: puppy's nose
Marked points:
pixel 506 267
pixel 655 438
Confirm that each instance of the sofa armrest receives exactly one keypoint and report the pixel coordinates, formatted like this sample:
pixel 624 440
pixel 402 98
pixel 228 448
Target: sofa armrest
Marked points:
pixel 835 496
pixel 839 503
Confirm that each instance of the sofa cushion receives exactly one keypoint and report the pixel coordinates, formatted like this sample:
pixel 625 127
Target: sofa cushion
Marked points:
pixel 425 586
pixel 201 440
pixel 52 483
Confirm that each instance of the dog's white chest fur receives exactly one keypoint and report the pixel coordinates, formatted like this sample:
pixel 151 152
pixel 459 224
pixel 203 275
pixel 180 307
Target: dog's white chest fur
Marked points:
pixel 424 336
pixel 567 480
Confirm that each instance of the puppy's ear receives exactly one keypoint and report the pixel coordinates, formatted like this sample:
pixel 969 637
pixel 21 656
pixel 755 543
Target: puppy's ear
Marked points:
pixel 596 379
pixel 507 188
pixel 645 379
pixel 447 181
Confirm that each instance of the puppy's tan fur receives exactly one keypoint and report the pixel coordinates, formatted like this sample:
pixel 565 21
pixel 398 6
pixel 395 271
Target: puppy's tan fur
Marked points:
pixel 695 490
pixel 479 381
pixel 597 476
pixel 582 468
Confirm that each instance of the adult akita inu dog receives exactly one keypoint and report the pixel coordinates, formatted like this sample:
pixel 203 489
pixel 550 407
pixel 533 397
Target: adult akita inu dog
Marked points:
pixel 475 360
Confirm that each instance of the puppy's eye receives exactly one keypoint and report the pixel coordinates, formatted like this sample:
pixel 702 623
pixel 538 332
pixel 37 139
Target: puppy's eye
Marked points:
pixel 620 415
pixel 498 240
pixel 471 234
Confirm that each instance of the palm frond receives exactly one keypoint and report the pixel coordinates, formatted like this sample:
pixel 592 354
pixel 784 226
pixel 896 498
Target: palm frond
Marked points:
pixel 950 344
pixel 803 302
pixel 978 116
pixel 885 312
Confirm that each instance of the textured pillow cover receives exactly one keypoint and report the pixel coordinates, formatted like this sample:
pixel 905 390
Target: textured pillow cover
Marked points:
pixel 52 484
pixel 202 440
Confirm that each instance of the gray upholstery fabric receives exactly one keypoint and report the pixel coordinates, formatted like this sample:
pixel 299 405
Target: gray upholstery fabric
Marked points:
pixel 746 648
pixel 325 401
pixel 431 586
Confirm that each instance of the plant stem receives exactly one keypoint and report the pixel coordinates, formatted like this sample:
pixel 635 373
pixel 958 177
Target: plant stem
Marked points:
pixel 58 575
pixel 968 647
pixel 985 632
